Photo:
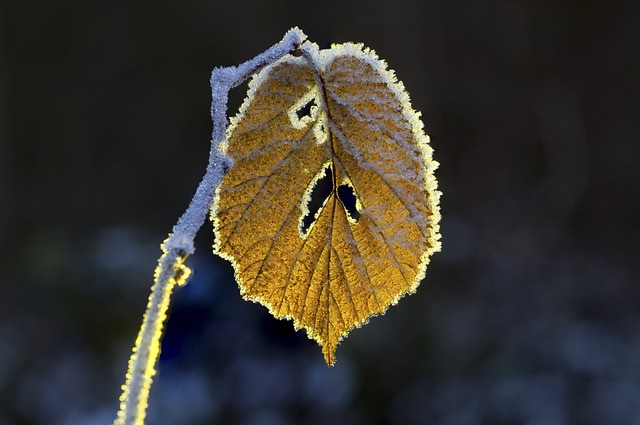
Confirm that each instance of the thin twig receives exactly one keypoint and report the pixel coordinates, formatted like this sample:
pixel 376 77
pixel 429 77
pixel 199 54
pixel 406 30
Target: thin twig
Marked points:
pixel 180 243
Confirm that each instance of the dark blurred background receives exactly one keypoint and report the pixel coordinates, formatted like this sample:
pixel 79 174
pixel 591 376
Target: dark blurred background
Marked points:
pixel 529 315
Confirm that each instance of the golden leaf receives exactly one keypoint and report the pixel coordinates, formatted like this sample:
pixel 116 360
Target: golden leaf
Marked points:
pixel 336 112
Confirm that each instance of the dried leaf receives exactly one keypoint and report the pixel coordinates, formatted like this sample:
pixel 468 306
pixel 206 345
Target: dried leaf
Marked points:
pixel 341 114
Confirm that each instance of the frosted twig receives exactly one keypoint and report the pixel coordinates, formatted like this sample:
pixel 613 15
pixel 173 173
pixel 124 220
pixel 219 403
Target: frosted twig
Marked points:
pixel 170 270
pixel 223 80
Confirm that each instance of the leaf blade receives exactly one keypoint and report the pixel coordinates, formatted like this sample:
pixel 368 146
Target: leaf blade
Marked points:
pixel 358 119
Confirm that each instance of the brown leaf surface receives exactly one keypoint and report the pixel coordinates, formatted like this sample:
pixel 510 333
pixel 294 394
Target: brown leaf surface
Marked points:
pixel 342 270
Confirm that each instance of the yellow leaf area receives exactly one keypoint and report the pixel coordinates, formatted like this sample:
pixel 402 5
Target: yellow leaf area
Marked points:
pixel 338 112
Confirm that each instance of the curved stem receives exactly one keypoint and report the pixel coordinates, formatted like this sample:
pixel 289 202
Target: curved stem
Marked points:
pixel 179 245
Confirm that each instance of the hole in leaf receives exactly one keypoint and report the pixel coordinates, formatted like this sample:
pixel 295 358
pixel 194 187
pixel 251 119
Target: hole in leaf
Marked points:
pixel 305 111
pixel 319 194
pixel 348 198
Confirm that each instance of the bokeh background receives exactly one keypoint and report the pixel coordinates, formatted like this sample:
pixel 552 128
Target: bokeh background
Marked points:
pixel 529 315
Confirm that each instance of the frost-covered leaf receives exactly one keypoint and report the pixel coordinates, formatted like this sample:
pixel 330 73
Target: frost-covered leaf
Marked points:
pixel 339 118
